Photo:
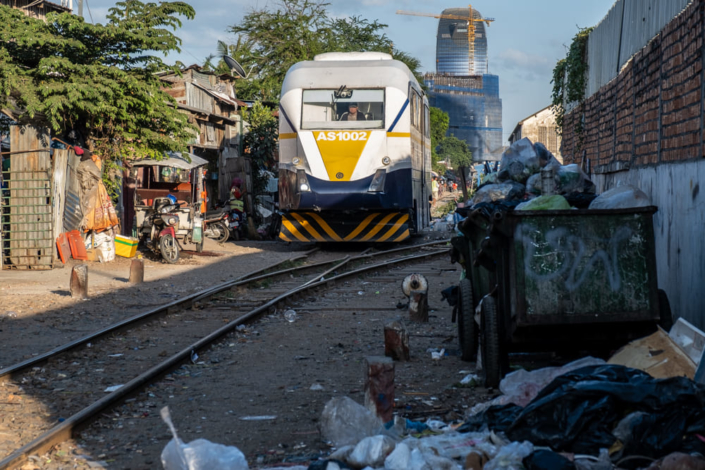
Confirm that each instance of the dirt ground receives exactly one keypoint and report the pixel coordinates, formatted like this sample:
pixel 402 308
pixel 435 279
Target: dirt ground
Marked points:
pixel 37 312
pixel 268 369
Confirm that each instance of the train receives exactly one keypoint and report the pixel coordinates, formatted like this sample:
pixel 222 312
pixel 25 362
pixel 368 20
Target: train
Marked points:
pixel 354 150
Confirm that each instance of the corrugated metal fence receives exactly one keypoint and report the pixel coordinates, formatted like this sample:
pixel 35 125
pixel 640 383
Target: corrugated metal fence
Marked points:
pixel 629 26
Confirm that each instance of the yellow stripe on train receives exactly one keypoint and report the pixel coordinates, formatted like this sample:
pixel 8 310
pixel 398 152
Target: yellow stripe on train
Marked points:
pixel 375 227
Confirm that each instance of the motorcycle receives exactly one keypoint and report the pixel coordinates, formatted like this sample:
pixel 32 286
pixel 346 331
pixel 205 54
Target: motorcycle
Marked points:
pixel 238 224
pixel 163 219
pixel 216 225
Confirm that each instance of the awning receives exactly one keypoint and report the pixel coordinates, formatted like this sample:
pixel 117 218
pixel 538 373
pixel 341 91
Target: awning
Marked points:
pixel 174 160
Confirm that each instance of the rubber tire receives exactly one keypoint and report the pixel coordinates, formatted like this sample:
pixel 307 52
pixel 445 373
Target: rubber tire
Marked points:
pixel 666 320
pixel 491 344
pixel 165 243
pixel 467 327
pixel 199 246
pixel 224 230
pixel 236 235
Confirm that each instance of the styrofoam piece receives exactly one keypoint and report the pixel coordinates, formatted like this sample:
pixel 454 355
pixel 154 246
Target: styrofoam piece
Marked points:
pixel 690 339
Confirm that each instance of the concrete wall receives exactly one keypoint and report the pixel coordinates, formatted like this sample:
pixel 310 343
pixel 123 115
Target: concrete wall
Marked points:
pixel 645 127
pixel 541 127
pixel 679 226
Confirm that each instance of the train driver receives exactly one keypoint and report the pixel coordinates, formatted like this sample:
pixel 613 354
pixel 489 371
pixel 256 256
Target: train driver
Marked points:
pixel 352 114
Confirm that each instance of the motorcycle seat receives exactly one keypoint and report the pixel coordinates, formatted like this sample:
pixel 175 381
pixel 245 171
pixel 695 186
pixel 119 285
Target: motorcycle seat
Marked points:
pixel 215 213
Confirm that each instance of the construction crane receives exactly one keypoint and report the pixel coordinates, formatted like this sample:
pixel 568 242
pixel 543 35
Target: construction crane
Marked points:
pixel 470 21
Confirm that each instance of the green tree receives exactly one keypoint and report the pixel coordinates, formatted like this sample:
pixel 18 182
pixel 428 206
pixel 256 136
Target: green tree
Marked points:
pixel 99 80
pixel 455 151
pixel 260 143
pixel 274 40
pixel 439 127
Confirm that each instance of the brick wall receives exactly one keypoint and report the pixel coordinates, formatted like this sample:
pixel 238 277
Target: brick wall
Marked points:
pixel 653 111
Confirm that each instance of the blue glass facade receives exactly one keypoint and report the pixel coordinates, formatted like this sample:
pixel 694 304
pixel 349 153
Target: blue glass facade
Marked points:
pixel 452 52
pixel 465 90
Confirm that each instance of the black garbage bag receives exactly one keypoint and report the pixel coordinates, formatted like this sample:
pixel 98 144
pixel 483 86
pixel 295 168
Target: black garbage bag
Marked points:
pixel 578 411
pixel 547 460
pixel 450 295
pixel 495 418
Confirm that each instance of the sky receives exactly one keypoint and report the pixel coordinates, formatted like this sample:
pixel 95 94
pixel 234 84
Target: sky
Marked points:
pixel 525 41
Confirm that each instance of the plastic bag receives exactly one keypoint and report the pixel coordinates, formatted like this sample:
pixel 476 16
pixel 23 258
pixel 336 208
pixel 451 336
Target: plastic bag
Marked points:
pixel 588 462
pixel 621 197
pixel 399 459
pixel 499 192
pixel 407 457
pixel 533 184
pixel 454 445
pixel 510 457
pixel 371 451
pixel 547 460
pixel 346 422
pixel 576 412
pixel 571 179
pixel 521 386
pixel 199 454
pixel 545 203
pixel 519 162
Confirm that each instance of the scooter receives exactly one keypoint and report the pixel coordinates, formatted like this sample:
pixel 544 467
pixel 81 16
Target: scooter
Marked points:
pixel 238 224
pixel 216 225
pixel 163 234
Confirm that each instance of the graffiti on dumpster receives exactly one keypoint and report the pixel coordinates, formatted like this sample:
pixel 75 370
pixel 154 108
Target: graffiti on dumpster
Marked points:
pixel 562 254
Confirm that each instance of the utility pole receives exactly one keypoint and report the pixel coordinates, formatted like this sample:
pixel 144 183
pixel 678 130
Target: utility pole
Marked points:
pixel 80 8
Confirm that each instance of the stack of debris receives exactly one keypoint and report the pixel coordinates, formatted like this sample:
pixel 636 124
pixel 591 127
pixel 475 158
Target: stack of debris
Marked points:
pixel 531 178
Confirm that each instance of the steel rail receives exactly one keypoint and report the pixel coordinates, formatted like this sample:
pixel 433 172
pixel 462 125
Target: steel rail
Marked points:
pixel 195 297
pixel 63 431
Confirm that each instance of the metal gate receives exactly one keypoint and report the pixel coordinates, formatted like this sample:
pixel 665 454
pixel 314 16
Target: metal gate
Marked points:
pixel 27 219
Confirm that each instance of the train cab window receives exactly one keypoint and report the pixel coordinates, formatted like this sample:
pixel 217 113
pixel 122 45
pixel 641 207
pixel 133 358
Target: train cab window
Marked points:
pixel 363 109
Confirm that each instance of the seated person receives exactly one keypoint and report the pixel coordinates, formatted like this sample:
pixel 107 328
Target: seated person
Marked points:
pixel 352 114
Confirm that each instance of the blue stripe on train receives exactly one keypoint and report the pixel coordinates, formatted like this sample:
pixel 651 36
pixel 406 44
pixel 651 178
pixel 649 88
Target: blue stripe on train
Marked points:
pixel 354 195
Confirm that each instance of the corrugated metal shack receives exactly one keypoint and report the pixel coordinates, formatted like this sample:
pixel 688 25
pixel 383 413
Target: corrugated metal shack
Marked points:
pixel 210 102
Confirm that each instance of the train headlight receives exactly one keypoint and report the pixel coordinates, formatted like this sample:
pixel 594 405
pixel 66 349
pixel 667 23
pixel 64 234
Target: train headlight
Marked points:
pixel 302 181
pixel 296 160
pixel 377 184
pixel 386 160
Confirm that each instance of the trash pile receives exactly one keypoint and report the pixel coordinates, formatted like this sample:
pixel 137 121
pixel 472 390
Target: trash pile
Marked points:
pixel 585 415
pixel 530 178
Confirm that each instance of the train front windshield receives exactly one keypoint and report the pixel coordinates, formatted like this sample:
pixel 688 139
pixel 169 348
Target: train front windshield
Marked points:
pixel 358 109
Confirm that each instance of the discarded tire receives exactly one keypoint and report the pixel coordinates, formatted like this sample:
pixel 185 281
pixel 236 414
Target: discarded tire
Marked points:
pixel 491 343
pixel 467 328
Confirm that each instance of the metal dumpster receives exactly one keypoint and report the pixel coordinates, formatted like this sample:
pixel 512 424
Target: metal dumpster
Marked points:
pixel 555 279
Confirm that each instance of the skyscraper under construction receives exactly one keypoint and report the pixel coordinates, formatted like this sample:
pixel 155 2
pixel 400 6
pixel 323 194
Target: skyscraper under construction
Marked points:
pixel 462 85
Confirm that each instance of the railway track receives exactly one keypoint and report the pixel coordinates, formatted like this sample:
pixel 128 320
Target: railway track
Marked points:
pixel 169 335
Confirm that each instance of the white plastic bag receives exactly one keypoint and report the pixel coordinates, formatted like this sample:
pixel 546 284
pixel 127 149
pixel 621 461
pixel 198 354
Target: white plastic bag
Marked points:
pixel 499 192
pixel 371 451
pixel 521 386
pixel 510 457
pixel 571 179
pixel 621 197
pixel 199 454
pixel 452 445
pixel 346 422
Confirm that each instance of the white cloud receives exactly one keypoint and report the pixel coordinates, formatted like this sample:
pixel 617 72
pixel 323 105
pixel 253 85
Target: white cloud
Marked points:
pixel 530 66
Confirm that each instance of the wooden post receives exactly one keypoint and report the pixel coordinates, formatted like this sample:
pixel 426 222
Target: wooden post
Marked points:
pixel 418 306
pixel 464 185
pixel 79 282
pixel 379 386
pixel 396 341
pixel 137 271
